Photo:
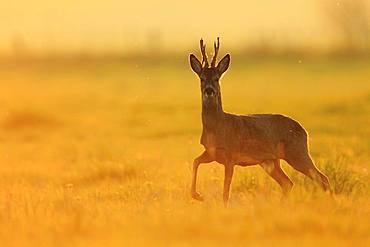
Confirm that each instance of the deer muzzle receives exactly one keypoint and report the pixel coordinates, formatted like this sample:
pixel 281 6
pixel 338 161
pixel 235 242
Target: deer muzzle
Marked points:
pixel 209 92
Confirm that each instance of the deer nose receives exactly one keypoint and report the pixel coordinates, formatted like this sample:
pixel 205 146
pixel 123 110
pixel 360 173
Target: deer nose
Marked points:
pixel 209 92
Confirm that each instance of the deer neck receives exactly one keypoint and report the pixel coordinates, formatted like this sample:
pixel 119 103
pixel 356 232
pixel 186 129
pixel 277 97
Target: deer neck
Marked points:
pixel 212 114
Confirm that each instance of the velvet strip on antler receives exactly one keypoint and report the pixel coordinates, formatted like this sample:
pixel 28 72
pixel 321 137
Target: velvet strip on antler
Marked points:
pixel 217 47
pixel 204 55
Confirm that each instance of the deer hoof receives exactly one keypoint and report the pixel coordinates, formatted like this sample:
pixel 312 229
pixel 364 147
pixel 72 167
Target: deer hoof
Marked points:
pixel 197 196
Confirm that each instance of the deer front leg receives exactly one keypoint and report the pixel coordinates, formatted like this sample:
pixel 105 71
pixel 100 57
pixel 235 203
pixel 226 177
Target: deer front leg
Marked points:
pixel 203 158
pixel 229 171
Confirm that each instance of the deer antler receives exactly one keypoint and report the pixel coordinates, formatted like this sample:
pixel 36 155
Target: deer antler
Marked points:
pixel 217 47
pixel 204 55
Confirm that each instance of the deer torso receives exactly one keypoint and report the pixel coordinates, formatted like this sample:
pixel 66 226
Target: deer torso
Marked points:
pixel 247 139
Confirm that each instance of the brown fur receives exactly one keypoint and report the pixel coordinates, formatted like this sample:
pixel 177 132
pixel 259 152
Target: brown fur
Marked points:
pixel 247 140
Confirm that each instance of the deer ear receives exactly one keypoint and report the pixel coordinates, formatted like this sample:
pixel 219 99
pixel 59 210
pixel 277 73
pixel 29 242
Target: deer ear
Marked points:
pixel 195 64
pixel 223 65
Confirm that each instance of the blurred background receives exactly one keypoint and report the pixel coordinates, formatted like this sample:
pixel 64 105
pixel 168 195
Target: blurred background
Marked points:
pixel 98 27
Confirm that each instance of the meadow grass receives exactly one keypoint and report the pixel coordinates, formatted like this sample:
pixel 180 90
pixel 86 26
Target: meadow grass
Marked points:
pixel 99 153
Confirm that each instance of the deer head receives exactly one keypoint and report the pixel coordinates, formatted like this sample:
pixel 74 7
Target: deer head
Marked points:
pixel 210 75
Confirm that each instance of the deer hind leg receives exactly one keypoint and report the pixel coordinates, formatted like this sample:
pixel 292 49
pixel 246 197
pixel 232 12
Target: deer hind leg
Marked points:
pixel 203 158
pixel 273 168
pixel 304 164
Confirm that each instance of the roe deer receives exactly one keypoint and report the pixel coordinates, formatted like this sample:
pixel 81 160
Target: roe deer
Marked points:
pixel 245 140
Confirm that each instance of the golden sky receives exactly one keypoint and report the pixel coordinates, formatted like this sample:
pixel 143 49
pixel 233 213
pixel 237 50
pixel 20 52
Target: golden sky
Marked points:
pixel 124 25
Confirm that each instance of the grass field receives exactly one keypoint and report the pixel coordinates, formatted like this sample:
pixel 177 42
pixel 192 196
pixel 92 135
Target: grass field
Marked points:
pixel 98 153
